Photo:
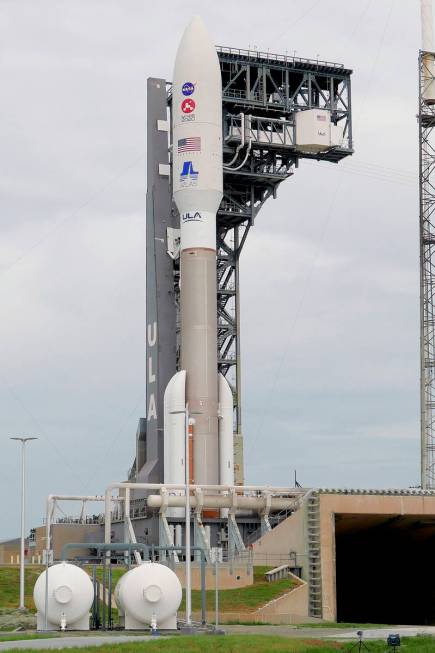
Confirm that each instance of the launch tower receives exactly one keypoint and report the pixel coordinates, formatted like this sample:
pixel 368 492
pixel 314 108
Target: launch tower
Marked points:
pixel 276 110
pixel 272 106
pixel 426 122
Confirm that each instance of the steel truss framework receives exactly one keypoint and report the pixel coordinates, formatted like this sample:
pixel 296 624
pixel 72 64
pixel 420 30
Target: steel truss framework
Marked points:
pixel 426 119
pixel 269 88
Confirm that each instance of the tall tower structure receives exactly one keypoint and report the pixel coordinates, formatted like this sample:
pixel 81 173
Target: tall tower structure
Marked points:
pixel 277 110
pixel 426 123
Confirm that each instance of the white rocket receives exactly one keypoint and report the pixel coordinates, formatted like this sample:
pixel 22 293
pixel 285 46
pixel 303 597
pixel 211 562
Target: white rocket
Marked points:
pixel 197 192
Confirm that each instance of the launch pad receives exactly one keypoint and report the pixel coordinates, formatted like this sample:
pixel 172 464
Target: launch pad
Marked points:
pixel 272 107
pixel 272 90
pixel 275 110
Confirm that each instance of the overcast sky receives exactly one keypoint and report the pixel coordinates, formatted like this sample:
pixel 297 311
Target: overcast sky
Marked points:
pixel 329 274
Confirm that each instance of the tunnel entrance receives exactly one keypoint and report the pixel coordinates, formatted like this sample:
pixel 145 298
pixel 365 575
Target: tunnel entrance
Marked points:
pixel 385 568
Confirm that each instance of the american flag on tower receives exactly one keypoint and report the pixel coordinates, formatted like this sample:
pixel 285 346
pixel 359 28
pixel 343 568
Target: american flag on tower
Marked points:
pixel 192 144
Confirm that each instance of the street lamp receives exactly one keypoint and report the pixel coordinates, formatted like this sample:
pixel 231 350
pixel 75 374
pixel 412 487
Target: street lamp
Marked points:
pixel 23 488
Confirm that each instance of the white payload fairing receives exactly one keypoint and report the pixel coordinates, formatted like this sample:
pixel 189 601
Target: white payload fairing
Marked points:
pixel 197 181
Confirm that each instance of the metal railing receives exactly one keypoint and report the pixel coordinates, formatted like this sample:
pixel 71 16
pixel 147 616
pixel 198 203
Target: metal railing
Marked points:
pixel 271 57
pixel 71 519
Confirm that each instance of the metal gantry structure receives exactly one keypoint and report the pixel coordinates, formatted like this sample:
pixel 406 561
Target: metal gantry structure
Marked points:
pixel 269 89
pixel 426 122
pixel 262 94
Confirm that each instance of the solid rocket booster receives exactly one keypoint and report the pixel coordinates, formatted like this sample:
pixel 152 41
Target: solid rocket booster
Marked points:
pixel 197 193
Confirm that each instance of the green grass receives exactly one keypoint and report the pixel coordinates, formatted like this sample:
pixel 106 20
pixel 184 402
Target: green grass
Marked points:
pixel 10 586
pixel 342 624
pixel 117 572
pixel 251 643
pixel 244 599
pixel 12 637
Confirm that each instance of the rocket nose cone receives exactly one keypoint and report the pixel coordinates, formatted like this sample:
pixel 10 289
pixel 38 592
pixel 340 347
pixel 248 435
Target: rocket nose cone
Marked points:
pixel 195 28
pixel 196 23
pixel 196 51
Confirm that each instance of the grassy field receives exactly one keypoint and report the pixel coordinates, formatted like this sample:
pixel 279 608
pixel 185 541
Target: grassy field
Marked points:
pixel 342 624
pixel 244 599
pixel 10 586
pixel 13 637
pixel 251 643
pixel 117 572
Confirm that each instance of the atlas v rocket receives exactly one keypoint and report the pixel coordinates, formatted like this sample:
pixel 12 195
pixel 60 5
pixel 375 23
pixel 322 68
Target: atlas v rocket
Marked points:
pixel 197 171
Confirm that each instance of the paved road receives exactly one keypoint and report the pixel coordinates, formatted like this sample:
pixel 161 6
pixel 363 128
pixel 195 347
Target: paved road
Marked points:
pixel 331 633
pixel 382 633
pixel 68 642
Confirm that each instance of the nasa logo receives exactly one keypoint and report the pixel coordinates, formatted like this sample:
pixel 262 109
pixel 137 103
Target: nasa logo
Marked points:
pixel 188 88
pixel 188 105
pixel 192 217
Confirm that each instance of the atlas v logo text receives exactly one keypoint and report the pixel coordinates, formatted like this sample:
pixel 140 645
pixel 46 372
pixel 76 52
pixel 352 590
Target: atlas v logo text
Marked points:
pixel 191 217
pixel 188 176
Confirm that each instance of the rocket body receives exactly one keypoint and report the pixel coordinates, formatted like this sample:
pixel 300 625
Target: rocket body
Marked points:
pixel 197 192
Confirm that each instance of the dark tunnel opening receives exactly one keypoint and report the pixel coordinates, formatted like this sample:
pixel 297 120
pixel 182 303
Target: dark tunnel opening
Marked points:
pixel 385 569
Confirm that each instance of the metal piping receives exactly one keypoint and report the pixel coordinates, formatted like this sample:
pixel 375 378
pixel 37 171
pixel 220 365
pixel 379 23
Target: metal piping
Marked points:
pixel 145 548
pixel 223 501
pixel 177 486
pixel 100 546
pixel 51 499
pixel 242 142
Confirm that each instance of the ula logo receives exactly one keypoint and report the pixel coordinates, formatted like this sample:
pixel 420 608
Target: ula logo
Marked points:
pixel 192 217
pixel 188 88
pixel 188 173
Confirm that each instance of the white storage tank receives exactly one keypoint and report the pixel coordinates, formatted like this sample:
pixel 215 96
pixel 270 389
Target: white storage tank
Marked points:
pixel 70 597
pixel 148 593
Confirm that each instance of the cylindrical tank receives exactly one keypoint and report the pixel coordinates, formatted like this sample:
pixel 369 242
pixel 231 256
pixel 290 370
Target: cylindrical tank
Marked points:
pixel 178 535
pixel 149 591
pixel 70 596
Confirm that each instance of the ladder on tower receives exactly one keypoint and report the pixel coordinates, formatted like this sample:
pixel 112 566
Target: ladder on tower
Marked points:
pixel 314 564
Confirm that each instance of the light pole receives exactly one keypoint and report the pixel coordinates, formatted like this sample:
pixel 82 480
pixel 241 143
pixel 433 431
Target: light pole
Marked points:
pixel 188 571
pixel 23 490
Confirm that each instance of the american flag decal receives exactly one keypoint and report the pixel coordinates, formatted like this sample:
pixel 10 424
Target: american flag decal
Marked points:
pixel 192 144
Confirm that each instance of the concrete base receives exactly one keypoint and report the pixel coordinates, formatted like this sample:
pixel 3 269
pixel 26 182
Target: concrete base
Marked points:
pixel 216 631
pixel 130 623
pixel 189 630
pixel 79 624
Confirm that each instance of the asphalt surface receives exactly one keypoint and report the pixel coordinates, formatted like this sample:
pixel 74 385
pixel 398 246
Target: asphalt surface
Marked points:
pixel 382 633
pixel 66 641
pixel 331 633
